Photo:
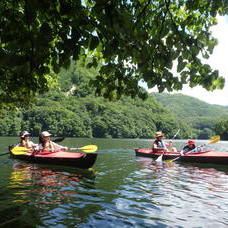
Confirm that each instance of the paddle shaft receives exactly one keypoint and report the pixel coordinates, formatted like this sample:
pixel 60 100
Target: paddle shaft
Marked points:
pixel 191 151
pixel 74 148
pixel 176 134
pixel 58 139
pixel 160 157
pixel 4 154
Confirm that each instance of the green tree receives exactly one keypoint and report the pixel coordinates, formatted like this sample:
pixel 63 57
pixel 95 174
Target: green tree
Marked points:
pixel 221 128
pixel 10 122
pixel 134 40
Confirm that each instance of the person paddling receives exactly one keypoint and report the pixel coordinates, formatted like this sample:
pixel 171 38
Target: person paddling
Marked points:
pixel 25 141
pixel 45 143
pixel 158 142
pixel 191 146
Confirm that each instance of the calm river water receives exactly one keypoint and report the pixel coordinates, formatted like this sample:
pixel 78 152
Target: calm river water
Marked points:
pixel 121 190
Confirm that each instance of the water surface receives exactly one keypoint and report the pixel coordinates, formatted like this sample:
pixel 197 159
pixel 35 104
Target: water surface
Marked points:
pixel 121 190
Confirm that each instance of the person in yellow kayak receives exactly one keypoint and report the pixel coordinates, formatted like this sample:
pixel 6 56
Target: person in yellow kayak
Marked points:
pixel 191 146
pixel 160 144
pixel 45 143
pixel 25 140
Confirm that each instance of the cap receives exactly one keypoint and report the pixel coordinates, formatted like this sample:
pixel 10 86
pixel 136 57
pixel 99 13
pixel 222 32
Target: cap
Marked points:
pixel 190 141
pixel 45 134
pixel 24 133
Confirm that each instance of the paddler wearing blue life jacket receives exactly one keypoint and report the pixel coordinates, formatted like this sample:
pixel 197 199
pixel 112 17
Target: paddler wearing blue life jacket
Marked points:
pixel 160 144
pixel 45 143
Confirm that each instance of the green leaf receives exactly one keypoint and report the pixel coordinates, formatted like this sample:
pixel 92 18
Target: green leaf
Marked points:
pixel 94 42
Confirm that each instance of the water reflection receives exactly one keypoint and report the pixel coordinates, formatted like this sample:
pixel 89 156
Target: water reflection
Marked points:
pixel 44 188
pixel 57 184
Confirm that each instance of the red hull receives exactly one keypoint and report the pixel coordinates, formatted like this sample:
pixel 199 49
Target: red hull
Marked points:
pixel 79 160
pixel 210 156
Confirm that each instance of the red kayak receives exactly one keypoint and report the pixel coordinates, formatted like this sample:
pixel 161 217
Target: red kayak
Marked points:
pixel 208 156
pixel 79 160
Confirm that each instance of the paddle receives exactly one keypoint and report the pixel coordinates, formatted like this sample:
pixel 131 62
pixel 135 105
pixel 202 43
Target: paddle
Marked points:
pixel 85 149
pixel 159 159
pixel 213 140
pixel 58 139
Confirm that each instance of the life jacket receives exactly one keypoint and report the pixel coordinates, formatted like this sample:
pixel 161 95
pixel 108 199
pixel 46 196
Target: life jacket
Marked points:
pixel 159 143
pixel 26 144
pixel 49 146
pixel 187 148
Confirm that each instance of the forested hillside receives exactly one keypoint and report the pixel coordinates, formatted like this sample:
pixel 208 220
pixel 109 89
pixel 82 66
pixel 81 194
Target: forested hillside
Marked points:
pixel 184 106
pixel 67 115
pixel 72 109
pixel 199 115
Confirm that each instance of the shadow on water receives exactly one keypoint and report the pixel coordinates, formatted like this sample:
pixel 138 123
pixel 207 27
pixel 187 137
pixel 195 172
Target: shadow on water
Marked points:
pixel 32 191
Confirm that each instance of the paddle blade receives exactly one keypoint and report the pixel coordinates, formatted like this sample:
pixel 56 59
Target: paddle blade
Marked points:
pixel 19 150
pixel 89 148
pixel 58 139
pixel 214 139
pixel 159 159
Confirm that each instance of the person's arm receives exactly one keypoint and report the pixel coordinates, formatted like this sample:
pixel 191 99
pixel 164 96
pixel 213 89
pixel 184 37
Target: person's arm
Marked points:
pixel 154 145
pixel 184 150
pixel 59 147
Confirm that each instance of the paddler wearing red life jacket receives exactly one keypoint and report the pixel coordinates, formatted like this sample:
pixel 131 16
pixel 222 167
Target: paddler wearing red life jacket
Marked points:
pixel 45 143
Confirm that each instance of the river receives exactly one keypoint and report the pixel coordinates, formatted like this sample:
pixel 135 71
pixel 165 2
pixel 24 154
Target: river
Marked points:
pixel 121 190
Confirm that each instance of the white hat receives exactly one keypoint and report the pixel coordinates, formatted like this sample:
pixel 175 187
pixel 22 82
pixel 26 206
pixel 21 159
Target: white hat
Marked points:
pixel 45 134
pixel 24 133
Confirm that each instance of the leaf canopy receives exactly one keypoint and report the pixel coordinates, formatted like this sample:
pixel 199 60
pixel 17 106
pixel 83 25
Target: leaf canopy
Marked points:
pixel 133 40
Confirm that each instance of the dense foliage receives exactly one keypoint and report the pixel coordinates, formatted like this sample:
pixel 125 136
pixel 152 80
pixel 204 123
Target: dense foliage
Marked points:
pixel 221 128
pixel 132 40
pixel 94 117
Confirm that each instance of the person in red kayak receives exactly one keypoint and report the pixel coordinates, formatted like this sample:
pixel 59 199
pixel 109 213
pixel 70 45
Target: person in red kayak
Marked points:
pixel 45 143
pixel 25 140
pixel 191 146
pixel 160 144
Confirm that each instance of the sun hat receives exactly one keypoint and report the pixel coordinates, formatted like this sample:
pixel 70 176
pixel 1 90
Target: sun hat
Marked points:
pixel 158 134
pixel 24 133
pixel 45 134
pixel 192 142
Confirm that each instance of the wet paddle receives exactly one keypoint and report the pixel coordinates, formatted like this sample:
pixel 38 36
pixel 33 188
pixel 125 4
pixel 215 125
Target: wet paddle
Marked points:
pixel 159 159
pixel 85 149
pixel 213 140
